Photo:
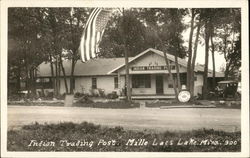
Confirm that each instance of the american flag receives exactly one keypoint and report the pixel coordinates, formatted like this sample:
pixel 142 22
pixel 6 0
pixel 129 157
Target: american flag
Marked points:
pixel 93 32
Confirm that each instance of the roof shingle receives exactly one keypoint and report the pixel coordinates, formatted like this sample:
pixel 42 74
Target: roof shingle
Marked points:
pixel 106 66
pixel 99 66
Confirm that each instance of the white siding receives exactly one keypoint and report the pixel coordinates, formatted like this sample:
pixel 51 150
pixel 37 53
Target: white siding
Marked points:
pixel 138 91
pixel 151 59
pixel 84 84
pixel 166 82
pixel 152 90
pixel 62 85
pixel 198 84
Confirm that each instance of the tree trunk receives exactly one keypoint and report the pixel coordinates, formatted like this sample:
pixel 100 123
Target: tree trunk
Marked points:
pixel 177 70
pixel 128 90
pixel 27 81
pixel 213 60
pixel 52 74
pixel 56 77
pixel 64 75
pixel 32 83
pixel 170 75
pixel 228 64
pixel 72 75
pixel 18 86
pixel 194 59
pixel 205 90
pixel 74 60
pixel 59 76
pixel 190 49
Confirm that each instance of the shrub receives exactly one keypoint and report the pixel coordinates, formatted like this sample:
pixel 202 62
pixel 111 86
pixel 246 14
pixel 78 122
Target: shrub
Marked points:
pixel 112 95
pixel 85 100
pixel 101 92
pixel 78 95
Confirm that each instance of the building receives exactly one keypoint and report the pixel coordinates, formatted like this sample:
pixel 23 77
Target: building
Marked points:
pixel 148 75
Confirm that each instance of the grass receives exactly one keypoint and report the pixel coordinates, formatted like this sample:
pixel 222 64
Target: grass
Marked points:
pixel 29 103
pixel 110 104
pixel 125 105
pixel 89 137
pixel 171 103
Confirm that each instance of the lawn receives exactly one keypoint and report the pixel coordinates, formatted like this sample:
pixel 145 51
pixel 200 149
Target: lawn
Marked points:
pixel 108 104
pixel 85 136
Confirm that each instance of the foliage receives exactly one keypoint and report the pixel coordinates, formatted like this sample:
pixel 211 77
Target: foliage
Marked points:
pixel 85 99
pixel 143 28
pixel 112 95
pixel 51 35
pixel 19 140
pixel 227 34
pixel 39 35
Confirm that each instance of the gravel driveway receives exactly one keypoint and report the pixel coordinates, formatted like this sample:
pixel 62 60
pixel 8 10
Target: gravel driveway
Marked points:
pixel 152 119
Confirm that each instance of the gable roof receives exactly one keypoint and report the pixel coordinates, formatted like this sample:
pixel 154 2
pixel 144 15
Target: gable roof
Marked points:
pixel 181 61
pixel 98 66
pixel 107 66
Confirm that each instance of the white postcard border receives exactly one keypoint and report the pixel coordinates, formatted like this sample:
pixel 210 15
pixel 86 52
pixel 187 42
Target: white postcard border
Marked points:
pixel 243 4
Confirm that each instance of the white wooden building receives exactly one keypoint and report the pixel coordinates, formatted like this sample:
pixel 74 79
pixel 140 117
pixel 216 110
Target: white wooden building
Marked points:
pixel 149 76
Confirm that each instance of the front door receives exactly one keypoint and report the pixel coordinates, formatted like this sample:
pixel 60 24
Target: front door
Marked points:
pixel 159 84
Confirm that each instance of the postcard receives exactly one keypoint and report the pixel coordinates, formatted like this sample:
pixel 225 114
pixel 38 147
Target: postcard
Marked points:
pixel 124 78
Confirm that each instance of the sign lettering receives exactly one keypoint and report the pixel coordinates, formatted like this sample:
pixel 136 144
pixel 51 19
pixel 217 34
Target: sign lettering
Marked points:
pixel 145 68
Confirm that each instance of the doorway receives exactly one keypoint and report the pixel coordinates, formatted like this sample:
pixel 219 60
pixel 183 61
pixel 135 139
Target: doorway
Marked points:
pixel 159 84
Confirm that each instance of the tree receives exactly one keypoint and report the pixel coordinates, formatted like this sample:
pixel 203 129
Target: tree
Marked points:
pixel 112 44
pixel 229 31
pixel 189 77
pixel 65 27
pixel 50 32
pixel 25 31
pixel 171 35
pixel 199 25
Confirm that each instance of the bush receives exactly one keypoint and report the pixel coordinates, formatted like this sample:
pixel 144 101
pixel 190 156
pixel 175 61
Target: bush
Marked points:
pixel 172 103
pixel 101 92
pixel 112 95
pixel 85 100
pixel 19 140
pixel 78 95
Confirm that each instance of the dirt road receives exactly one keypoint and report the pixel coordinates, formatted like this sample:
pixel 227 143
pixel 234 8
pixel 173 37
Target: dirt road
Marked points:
pixel 137 119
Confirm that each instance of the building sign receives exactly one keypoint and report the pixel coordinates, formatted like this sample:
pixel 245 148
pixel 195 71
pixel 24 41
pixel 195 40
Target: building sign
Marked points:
pixel 184 96
pixel 145 68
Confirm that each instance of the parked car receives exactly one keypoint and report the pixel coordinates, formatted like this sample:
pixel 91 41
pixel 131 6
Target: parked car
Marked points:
pixel 226 89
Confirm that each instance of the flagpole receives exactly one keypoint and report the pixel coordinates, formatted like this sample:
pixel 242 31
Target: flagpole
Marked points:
pixel 128 94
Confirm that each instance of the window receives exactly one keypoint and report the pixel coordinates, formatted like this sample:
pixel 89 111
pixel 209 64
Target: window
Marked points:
pixel 170 85
pixel 172 67
pixel 141 81
pixel 195 78
pixel 183 78
pixel 44 83
pixel 73 83
pixel 94 84
pixel 116 82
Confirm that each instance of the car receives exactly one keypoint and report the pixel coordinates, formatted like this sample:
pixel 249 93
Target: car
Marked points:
pixel 227 89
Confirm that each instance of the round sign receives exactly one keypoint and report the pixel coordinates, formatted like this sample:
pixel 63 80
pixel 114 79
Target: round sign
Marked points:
pixel 184 96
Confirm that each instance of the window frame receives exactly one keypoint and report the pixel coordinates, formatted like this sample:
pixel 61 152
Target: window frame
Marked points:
pixel 141 81
pixel 116 85
pixel 94 80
